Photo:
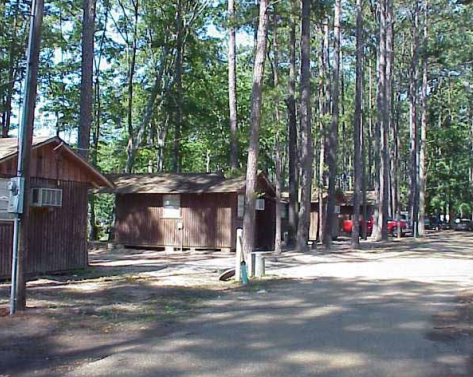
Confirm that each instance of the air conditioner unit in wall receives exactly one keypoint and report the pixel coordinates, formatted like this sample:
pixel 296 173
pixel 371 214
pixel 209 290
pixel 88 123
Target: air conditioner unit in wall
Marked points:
pixel 46 197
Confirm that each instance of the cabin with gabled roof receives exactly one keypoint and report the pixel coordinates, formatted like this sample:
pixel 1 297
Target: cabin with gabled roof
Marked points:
pixel 189 211
pixel 60 180
pixel 344 210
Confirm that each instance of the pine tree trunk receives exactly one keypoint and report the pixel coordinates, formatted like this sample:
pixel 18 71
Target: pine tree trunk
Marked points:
pixel 253 149
pixel 325 112
pixel 386 125
pixel 330 219
pixel 13 63
pixel 364 182
pixel 292 126
pixel 424 120
pixel 470 133
pixel 306 132
pixel 232 89
pixel 93 155
pixel 131 75
pixel 147 115
pixel 396 160
pixel 371 129
pixel 357 128
pixel 413 124
pixel 277 118
pixel 381 142
pixel 328 82
pixel 179 61
pixel 160 148
pixel 87 72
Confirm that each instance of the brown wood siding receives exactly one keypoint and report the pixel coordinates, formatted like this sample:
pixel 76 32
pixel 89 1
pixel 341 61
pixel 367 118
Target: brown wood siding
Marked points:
pixel 6 242
pixel 46 162
pixel 314 222
pixel 58 236
pixel 206 219
pixel 348 210
pixel 209 221
pixel 266 225
pixel 237 222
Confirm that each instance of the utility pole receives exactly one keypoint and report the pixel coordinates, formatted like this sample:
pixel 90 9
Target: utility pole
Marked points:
pixel 20 185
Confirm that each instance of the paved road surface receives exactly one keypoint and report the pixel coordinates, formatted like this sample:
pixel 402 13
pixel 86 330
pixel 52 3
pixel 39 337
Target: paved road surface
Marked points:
pixel 374 313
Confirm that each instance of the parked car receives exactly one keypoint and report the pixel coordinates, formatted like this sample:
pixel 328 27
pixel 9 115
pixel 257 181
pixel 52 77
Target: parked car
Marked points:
pixel 348 226
pixel 463 224
pixel 444 225
pixel 432 223
pixel 393 227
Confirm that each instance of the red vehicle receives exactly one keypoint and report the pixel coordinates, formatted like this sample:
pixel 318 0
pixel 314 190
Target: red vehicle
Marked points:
pixel 348 226
pixel 392 226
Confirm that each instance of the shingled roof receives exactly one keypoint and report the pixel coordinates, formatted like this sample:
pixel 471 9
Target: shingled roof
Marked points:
pixel 165 183
pixel 9 146
pixel 370 197
pixel 172 183
pixel 9 150
pixel 346 198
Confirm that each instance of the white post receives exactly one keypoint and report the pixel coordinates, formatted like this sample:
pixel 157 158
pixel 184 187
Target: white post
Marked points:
pixel 239 249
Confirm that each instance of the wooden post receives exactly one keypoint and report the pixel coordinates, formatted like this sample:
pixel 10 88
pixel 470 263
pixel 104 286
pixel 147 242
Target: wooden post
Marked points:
pixel 239 244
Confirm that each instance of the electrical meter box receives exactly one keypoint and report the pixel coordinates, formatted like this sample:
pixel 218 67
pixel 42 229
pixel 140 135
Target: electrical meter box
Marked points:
pixel 16 188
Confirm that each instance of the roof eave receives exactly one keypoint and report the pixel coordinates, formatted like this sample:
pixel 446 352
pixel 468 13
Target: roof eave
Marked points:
pixel 100 177
pixel 105 182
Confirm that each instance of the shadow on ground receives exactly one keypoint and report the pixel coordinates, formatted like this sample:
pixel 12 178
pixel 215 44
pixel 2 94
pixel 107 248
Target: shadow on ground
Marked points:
pixel 328 327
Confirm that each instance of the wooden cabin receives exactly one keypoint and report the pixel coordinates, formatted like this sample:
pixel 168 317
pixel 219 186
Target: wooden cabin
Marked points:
pixel 347 208
pixel 315 217
pixel 189 211
pixel 343 208
pixel 60 179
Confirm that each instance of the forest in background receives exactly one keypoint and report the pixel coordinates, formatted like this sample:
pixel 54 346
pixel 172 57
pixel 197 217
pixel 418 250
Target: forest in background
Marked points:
pixel 160 91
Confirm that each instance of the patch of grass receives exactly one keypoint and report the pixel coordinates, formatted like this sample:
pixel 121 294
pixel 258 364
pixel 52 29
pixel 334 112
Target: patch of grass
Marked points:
pixel 256 284
pixel 170 310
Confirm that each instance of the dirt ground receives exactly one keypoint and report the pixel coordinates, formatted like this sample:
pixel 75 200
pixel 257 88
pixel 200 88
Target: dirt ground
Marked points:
pixel 127 295
pixel 122 295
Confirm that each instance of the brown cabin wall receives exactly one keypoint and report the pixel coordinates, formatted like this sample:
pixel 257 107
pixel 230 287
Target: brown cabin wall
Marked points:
pixel 58 236
pixel 315 222
pixel 6 242
pixel 346 213
pixel 207 221
pixel 266 225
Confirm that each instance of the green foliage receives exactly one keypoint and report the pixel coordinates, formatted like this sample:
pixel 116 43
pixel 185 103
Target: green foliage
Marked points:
pixel 205 136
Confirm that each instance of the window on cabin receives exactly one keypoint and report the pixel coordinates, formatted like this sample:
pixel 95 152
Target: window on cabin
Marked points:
pixel 4 199
pixel 172 206
pixel 241 206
